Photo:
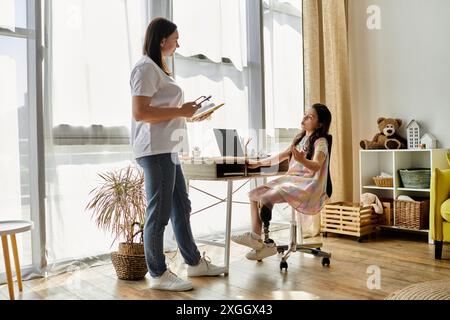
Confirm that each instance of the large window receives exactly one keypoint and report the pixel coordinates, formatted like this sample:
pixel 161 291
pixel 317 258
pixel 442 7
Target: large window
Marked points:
pixel 217 57
pixel 283 76
pixel 283 66
pixel 212 60
pixel 74 113
pixel 14 115
pixel 92 48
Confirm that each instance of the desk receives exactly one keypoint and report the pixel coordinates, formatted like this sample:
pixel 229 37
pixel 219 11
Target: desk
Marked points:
pixel 229 170
pixel 11 228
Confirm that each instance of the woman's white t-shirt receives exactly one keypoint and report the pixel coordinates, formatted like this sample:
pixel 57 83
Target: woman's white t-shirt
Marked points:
pixel 147 79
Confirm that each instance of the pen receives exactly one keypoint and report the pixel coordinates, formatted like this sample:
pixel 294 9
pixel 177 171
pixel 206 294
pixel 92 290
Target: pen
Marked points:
pixel 205 99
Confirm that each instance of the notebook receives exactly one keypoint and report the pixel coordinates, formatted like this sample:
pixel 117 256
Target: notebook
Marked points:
pixel 205 109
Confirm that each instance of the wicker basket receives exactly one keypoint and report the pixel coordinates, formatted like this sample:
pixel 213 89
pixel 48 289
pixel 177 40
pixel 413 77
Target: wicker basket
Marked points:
pixel 415 178
pixel 384 182
pixel 129 262
pixel 412 214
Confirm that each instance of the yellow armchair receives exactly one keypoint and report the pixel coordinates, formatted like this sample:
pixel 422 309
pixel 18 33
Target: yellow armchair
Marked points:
pixel 440 209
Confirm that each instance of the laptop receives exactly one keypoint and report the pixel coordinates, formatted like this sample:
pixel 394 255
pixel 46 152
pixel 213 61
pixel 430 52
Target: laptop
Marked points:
pixel 229 143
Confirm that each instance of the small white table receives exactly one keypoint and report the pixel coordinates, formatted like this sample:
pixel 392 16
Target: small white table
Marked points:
pixel 11 228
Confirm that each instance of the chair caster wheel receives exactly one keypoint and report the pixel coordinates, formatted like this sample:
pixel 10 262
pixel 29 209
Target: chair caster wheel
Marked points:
pixel 326 262
pixel 280 250
pixel 325 234
pixel 360 240
pixel 283 265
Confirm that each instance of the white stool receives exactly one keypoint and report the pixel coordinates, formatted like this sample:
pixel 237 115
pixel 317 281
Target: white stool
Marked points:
pixel 11 228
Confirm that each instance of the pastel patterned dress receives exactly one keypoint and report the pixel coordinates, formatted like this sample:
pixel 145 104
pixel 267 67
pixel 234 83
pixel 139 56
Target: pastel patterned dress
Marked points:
pixel 301 188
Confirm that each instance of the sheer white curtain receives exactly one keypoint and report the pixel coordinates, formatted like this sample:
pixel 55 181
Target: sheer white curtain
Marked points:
pixel 295 4
pixel 283 51
pixel 94 45
pixel 14 133
pixel 9 147
pixel 7 14
pixel 220 34
pixel 10 206
pixel 215 30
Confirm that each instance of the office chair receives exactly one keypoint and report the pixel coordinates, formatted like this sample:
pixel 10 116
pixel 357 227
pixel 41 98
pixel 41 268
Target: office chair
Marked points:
pixel 294 246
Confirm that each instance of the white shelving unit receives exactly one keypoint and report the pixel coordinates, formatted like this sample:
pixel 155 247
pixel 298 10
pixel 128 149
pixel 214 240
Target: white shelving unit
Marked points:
pixel 373 162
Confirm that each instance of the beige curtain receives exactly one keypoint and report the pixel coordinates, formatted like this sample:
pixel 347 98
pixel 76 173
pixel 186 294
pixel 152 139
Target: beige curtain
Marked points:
pixel 327 81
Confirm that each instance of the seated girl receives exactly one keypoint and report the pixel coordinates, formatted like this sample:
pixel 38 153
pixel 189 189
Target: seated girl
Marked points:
pixel 306 186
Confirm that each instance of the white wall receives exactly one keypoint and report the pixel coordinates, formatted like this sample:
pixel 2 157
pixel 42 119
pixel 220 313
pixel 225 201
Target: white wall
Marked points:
pixel 401 70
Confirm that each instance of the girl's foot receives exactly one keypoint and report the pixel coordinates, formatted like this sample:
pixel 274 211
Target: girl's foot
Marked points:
pixel 265 252
pixel 246 239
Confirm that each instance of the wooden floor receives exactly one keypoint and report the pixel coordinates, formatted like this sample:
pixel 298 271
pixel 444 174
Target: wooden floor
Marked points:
pixel 402 261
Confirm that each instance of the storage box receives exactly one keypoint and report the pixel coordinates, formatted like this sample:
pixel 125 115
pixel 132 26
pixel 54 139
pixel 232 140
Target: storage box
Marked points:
pixel 348 218
pixel 412 214
pixel 387 218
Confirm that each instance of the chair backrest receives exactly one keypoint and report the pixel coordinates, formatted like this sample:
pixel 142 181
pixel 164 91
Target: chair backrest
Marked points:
pixel 329 182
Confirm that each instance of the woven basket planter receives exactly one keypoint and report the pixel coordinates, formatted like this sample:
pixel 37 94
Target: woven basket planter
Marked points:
pixel 133 249
pixel 129 262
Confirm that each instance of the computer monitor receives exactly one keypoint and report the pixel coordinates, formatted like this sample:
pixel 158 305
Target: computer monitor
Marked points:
pixel 229 142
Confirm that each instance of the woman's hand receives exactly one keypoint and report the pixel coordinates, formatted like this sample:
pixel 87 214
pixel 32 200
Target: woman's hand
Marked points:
pixel 300 156
pixel 188 109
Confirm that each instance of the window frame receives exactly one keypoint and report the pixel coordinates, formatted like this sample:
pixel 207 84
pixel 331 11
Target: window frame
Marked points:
pixel 33 34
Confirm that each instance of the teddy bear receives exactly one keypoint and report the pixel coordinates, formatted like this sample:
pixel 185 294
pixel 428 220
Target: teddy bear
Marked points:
pixel 387 138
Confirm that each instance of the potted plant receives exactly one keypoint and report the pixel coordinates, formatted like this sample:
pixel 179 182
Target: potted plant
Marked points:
pixel 118 206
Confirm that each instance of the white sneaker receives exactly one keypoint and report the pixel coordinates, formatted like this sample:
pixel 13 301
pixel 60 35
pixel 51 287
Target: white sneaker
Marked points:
pixel 265 252
pixel 205 269
pixel 246 239
pixel 171 282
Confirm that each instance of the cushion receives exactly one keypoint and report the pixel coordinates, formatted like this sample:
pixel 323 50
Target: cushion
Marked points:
pixel 446 231
pixel 445 210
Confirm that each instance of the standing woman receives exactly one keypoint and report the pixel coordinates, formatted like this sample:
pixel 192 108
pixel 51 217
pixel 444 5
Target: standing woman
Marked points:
pixel 158 135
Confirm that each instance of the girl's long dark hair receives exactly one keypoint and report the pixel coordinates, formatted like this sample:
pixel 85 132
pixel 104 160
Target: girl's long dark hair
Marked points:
pixel 324 118
pixel 158 29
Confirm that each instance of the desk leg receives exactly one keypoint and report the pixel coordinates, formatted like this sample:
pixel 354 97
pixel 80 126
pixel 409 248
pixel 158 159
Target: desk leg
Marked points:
pixel 8 267
pixel 228 227
pixel 16 262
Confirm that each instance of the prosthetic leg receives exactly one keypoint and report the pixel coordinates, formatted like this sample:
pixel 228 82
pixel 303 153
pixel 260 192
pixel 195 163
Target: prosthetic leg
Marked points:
pixel 266 216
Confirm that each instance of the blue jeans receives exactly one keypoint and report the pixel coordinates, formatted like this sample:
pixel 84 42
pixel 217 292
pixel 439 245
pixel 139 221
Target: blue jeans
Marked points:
pixel 167 198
